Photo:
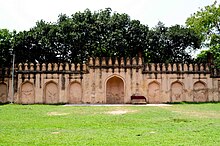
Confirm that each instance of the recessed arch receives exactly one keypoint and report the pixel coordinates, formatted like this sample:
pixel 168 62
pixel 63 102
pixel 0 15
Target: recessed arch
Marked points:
pixel 177 91
pixel 154 92
pixel 75 92
pixel 115 90
pixel 200 92
pixel 51 93
pixel 3 92
pixel 27 93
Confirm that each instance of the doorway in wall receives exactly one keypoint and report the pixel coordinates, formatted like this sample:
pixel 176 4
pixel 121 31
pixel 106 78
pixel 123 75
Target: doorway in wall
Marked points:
pixel 115 91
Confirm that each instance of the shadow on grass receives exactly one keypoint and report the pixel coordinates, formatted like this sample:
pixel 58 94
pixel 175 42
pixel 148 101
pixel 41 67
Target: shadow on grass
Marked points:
pixel 4 103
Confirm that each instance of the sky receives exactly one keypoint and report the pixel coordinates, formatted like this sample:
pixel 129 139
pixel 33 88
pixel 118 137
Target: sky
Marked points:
pixel 23 14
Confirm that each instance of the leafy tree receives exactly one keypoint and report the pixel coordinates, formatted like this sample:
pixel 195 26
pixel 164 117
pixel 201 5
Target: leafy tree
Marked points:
pixel 5 46
pixel 138 38
pixel 35 44
pixel 206 23
pixel 172 44
pixel 204 56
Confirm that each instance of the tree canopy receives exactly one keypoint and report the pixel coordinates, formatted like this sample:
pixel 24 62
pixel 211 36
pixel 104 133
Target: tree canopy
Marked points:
pixel 102 33
pixel 206 23
pixel 6 39
pixel 172 44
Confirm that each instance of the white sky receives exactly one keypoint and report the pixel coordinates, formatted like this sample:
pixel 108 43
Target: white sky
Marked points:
pixel 23 14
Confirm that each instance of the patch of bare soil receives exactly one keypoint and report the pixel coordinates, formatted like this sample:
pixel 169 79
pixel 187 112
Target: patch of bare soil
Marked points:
pixel 55 132
pixel 57 114
pixel 120 112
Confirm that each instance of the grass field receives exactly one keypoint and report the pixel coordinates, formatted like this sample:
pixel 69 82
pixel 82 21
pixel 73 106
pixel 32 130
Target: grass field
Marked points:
pixel 179 124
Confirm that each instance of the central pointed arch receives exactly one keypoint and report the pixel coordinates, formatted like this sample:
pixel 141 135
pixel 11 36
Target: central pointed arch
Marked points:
pixel 115 91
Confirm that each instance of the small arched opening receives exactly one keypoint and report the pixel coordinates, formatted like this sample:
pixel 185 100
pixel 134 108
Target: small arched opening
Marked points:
pixel 177 92
pixel 154 92
pixel 200 92
pixel 75 93
pixel 51 94
pixel 3 93
pixel 27 93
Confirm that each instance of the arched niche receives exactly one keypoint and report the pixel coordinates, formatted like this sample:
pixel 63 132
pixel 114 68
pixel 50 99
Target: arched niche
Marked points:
pixel 200 92
pixel 154 92
pixel 3 93
pixel 27 94
pixel 177 92
pixel 115 90
pixel 51 93
pixel 75 92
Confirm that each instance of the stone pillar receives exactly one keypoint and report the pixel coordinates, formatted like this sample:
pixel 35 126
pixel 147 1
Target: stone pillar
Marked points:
pixel 32 75
pixel 38 86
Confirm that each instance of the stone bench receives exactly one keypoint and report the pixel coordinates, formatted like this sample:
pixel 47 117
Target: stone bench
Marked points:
pixel 135 99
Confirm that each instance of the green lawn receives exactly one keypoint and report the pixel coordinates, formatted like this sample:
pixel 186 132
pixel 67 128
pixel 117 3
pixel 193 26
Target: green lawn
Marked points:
pixel 179 124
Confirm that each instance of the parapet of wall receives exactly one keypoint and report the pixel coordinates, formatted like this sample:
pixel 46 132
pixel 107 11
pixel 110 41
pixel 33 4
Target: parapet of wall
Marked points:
pixel 52 67
pixel 111 80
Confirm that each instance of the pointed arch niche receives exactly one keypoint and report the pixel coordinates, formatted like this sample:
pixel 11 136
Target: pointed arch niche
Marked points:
pixel 3 93
pixel 51 94
pixel 27 93
pixel 115 90
pixel 154 92
pixel 75 93
pixel 177 91
pixel 200 92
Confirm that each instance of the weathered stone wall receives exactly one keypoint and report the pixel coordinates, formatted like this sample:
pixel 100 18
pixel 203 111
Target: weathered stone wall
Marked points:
pixel 109 80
